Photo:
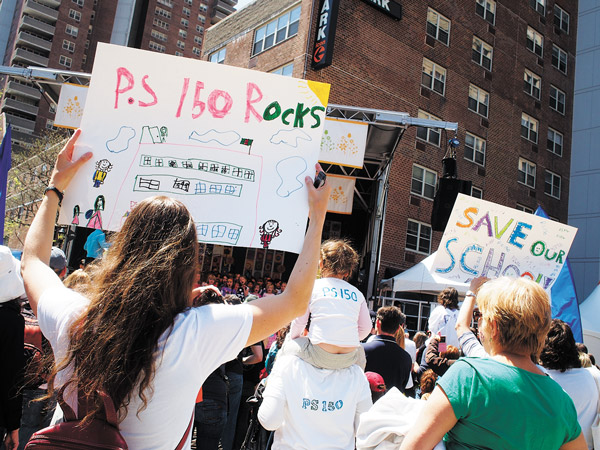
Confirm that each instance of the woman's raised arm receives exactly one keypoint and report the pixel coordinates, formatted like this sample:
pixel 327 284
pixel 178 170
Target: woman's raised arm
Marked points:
pixel 36 273
pixel 274 312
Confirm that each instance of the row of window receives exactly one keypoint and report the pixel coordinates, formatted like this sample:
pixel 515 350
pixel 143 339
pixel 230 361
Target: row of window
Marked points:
pixel 527 176
pixel 433 77
pixel 268 35
pixel 438 27
pixel 475 147
pixel 487 10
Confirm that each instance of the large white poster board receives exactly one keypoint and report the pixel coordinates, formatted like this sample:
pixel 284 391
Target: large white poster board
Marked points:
pixel 486 239
pixel 233 144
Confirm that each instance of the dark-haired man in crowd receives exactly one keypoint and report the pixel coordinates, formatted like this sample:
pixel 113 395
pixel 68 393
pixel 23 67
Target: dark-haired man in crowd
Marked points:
pixel 384 355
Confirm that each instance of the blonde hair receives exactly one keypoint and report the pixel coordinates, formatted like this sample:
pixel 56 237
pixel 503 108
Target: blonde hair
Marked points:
pixel 521 310
pixel 585 360
pixel 78 281
pixel 338 257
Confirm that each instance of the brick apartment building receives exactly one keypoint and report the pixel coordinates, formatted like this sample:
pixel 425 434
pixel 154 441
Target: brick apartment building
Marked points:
pixel 63 35
pixel 504 70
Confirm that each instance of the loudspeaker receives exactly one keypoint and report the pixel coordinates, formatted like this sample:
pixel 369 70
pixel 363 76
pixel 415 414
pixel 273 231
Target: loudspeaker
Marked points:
pixel 443 202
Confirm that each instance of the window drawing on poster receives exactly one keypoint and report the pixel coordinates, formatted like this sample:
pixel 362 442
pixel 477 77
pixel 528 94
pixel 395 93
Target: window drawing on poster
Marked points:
pixel 486 239
pixel 233 144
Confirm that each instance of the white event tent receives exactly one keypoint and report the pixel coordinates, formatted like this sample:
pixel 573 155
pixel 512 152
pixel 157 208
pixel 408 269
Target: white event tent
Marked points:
pixel 419 279
pixel 590 322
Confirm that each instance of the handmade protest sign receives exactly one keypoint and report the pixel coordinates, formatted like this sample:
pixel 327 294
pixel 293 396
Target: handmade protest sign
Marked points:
pixel 233 144
pixel 486 239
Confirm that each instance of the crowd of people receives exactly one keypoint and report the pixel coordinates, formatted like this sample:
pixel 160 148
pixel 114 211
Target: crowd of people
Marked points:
pixel 235 363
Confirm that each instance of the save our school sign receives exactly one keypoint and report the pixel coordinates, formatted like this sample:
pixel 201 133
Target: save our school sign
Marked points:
pixel 486 239
pixel 234 145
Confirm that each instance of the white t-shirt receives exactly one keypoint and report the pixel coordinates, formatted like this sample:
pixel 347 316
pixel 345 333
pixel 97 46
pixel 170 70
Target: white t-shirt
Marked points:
pixel 581 387
pixel 411 349
pixel 319 405
pixel 442 321
pixel 201 339
pixel 338 314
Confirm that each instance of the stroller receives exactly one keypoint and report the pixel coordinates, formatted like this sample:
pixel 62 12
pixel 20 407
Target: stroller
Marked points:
pixel 257 438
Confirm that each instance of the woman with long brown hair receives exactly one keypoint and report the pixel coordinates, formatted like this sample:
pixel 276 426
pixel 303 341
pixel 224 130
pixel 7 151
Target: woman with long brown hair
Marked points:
pixel 135 337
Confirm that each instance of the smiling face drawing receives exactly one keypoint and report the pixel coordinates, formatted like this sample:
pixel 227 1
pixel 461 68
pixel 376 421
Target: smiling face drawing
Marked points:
pixel 268 230
pixel 270 226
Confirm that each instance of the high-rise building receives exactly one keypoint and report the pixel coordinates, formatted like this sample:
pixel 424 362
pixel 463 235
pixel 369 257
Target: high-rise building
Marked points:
pixel 504 70
pixel 63 35
pixel 584 203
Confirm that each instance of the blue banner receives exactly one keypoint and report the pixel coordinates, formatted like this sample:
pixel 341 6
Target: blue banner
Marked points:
pixel 5 155
pixel 564 296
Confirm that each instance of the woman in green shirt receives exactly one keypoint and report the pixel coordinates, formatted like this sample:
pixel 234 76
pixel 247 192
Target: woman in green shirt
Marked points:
pixel 504 401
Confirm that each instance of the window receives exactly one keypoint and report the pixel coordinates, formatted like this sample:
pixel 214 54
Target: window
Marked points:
pixel 552 184
pixel 276 31
pixel 527 173
pixel 524 208
pixel 84 59
pixel 64 61
pixel 218 56
pixel 478 100
pixel 196 51
pixel 487 10
pixel 201 18
pixel 482 53
pixel 184 22
pixel 68 45
pixel 87 44
pixel 90 29
pixel 71 30
pixel 188 2
pixel 423 182
pixel 557 99
pixel 178 53
pixel 418 237
pixel 198 40
pixel 203 8
pixel 166 3
pixel 561 18
pixel 475 149
pixel 93 15
pixel 535 42
pixel 186 11
pixel 157 47
pixel 431 135
pixel 182 33
pixel 199 28
pixel 49 124
pixel 438 26
pixel 433 76
pixel 78 2
pixel 158 35
pixel 75 15
pixel 539 6
pixel 533 84
pixel 476 192
pixel 162 12
pixel 161 24
pixel 555 142
pixel 529 128
pixel 285 70
pixel 180 44
pixel 559 59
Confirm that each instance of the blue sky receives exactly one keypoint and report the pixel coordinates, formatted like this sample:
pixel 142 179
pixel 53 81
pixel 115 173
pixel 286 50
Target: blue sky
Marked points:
pixel 242 3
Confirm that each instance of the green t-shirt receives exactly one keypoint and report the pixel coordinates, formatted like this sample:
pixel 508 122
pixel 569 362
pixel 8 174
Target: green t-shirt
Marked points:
pixel 503 407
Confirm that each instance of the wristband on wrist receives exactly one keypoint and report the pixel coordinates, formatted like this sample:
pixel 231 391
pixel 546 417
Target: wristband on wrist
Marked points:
pixel 470 294
pixel 58 193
